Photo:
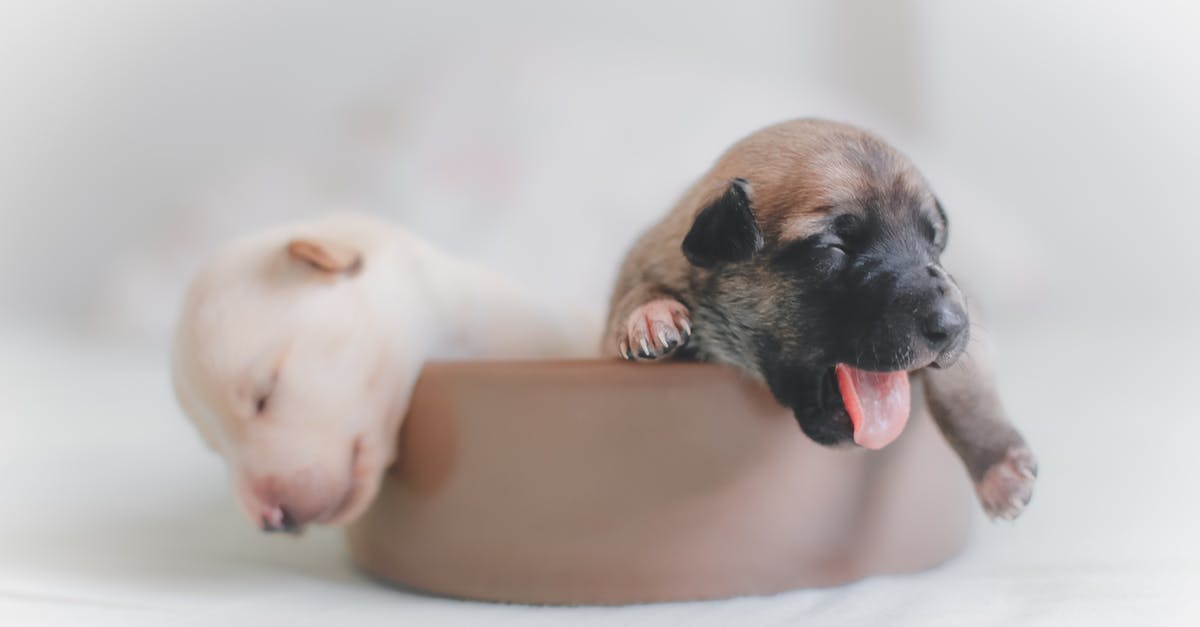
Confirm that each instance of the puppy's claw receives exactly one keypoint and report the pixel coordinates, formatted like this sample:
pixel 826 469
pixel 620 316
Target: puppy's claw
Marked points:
pixel 654 329
pixel 1007 486
pixel 668 337
pixel 623 349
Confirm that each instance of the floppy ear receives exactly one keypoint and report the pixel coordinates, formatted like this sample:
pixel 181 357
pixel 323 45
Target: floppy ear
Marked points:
pixel 724 231
pixel 325 256
pixel 937 205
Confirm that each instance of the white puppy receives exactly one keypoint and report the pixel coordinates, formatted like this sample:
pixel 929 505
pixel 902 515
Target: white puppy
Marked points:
pixel 298 348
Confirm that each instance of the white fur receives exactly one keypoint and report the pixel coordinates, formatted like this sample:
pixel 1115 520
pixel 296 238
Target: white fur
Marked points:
pixel 347 348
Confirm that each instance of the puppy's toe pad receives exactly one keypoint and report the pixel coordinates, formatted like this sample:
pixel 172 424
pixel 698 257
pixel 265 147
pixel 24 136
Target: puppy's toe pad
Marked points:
pixel 1007 486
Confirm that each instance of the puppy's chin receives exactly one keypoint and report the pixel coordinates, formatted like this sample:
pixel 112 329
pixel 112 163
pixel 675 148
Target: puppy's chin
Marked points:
pixel 951 355
pixel 812 395
pixel 829 427
pixel 363 494
pixel 818 402
pixel 366 476
pixel 357 500
pixel 821 413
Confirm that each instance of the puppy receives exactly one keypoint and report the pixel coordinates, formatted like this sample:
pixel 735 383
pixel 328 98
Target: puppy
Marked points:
pixel 298 348
pixel 808 257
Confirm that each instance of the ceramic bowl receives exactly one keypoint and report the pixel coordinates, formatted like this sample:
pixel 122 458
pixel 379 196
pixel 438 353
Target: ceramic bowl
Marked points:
pixel 603 482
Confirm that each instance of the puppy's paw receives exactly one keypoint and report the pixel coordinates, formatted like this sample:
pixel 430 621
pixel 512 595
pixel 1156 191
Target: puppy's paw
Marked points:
pixel 655 330
pixel 1007 486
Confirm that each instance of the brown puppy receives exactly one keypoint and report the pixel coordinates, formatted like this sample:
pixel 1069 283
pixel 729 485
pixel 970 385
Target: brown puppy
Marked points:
pixel 808 256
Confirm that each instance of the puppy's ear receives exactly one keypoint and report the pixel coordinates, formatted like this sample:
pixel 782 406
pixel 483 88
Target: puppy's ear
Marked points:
pixel 937 205
pixel 325 256
pixel 941 235
pixel 725 230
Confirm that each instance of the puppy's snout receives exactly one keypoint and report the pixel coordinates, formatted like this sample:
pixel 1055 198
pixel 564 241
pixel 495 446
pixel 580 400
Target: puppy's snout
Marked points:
pixel 279 519
pixel 944 325
pixel 289 500
pixel 274 507
pixel 942 320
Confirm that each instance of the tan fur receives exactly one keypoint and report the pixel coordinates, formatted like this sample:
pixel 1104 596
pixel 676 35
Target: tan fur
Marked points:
pixel 326 256
pixel 797 170
pixel 800 168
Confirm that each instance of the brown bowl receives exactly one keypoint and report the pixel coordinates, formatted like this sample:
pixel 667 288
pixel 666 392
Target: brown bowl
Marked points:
pixel 604 482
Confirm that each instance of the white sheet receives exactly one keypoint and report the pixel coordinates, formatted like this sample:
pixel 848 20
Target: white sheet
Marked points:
pixel 111 511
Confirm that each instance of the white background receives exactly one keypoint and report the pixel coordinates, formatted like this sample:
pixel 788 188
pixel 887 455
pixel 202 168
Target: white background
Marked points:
pixel 135 136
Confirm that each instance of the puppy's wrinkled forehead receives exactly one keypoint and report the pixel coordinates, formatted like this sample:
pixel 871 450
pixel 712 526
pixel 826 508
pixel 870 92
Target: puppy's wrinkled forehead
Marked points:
pixel 800 181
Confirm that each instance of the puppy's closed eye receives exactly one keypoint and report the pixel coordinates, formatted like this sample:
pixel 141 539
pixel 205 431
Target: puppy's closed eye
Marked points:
pixel 260 403
pixel 848 226
pixel 826 253
pixel 262 391
pixel 260 382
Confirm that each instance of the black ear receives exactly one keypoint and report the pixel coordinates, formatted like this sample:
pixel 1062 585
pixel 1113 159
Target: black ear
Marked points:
pixel 937 205
pixel 940 242
pixel 725 231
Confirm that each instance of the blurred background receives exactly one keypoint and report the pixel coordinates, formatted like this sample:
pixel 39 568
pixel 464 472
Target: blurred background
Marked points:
pixel 136 136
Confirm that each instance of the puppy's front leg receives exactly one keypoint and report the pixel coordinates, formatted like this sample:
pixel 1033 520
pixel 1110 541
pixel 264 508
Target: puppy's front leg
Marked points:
pixel 647 323
pixel 967 409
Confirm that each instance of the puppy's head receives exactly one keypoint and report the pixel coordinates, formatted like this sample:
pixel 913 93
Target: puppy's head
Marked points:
pixel 819 246
pixel 283 363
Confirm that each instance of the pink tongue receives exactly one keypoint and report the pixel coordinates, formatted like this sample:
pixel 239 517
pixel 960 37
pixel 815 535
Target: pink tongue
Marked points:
pixel 878 404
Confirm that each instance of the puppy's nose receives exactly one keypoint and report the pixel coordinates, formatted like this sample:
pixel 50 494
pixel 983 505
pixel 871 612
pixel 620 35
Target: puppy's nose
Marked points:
pixel 279 519
pixel 943 326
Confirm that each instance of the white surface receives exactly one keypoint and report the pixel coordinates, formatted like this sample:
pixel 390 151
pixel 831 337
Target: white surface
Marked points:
pixel 113 513
pixel 135 134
